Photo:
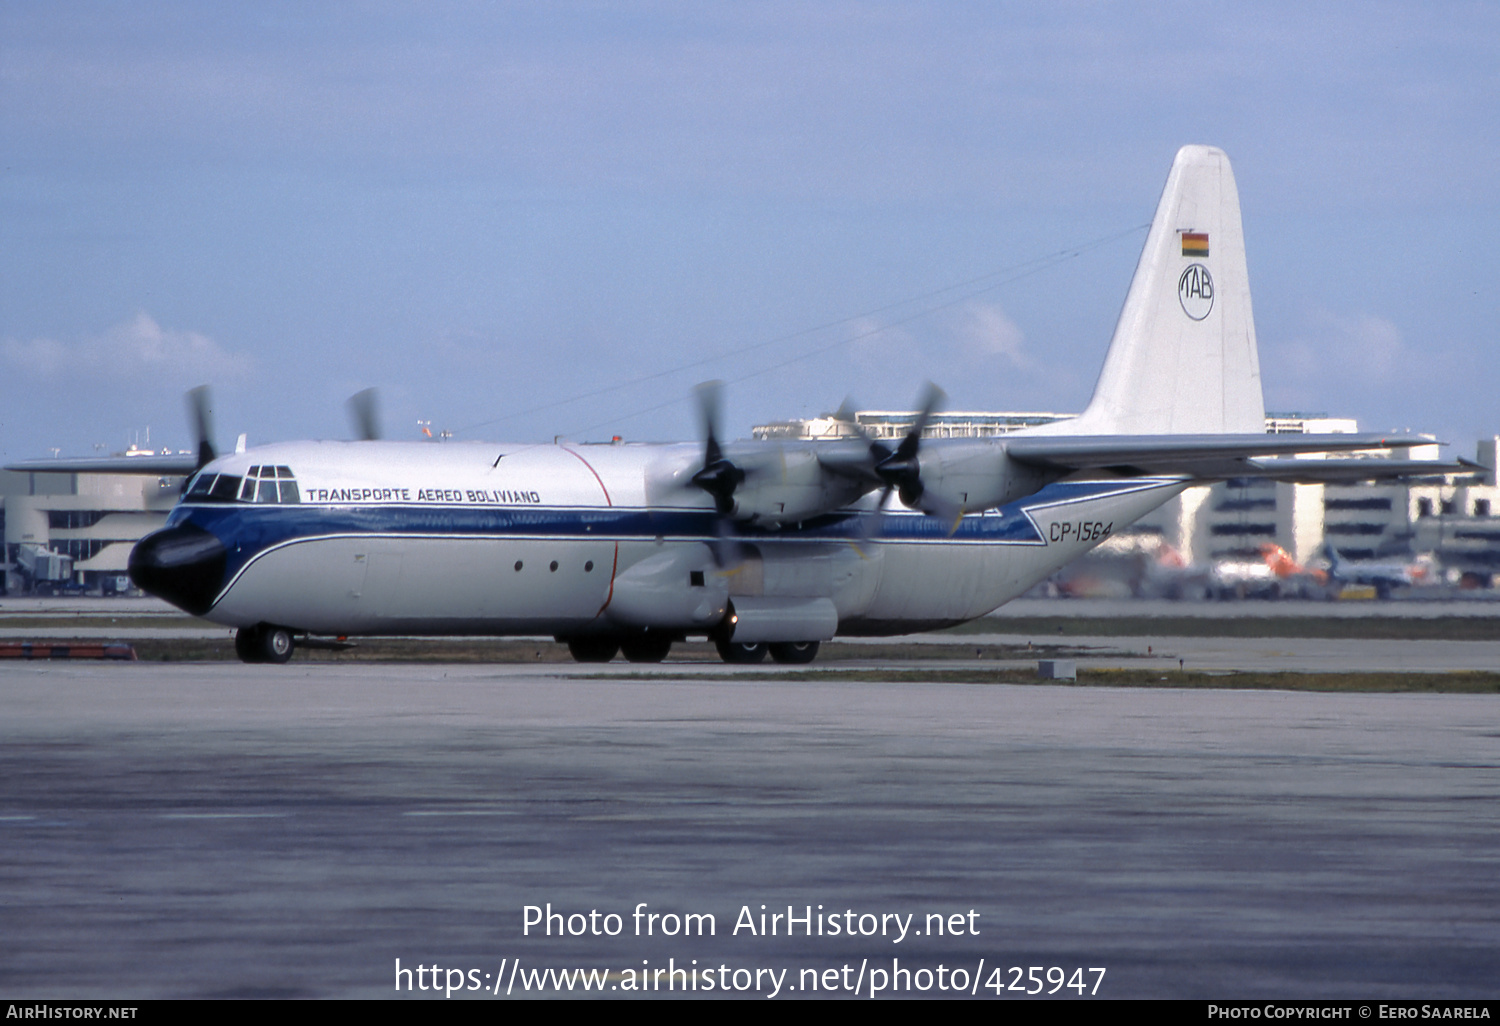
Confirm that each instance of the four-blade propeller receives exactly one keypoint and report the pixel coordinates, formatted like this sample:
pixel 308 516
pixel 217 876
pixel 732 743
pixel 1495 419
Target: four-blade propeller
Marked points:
pixel 900 470
pixel 897 469
pixel 719 476
pixel 363 407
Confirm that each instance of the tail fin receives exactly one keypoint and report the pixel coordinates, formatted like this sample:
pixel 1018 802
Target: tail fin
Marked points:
pixel 1183 359
pixel 1332 554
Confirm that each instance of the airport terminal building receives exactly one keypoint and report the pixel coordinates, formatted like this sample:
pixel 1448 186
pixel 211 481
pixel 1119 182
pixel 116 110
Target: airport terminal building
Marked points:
pixel 75 531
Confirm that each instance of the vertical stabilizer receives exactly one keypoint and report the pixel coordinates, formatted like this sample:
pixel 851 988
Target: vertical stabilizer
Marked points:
pixel 1183 359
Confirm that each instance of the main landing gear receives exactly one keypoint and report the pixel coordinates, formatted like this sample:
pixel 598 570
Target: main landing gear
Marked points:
pixel 593 649
pixel 739 652
pixel 644 647
pixel 794 652
pixel 653 647
pixel 649 647
pixel 785 652
pixel 263 643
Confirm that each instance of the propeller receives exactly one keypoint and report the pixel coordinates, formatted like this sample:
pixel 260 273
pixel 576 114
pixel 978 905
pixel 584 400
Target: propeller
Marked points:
pixel 900 470
pixel 364 414
pixel 719 476
pixel 200 412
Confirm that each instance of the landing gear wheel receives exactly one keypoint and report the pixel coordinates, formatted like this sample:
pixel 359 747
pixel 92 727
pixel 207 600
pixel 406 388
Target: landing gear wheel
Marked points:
pixel 646 648
pixel 276 644
pixel 247 644
pixel 593 650
pixel 740 652
pixel 794 652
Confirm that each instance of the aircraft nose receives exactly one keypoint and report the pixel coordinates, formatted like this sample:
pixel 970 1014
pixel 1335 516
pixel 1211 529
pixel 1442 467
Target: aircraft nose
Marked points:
pixel 182 564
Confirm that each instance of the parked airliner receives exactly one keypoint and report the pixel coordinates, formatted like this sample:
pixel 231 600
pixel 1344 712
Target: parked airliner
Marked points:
pixel 760 546
pixel 1383 577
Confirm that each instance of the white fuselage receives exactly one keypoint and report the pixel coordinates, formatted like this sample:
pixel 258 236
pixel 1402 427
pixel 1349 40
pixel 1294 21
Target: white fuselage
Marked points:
pixel 568 540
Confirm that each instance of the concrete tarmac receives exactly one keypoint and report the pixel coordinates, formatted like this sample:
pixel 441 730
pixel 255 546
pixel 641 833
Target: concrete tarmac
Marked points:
pixel 175 830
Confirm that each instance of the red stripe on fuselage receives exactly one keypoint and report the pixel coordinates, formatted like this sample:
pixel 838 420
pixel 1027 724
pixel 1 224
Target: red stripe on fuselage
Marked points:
pixel 611 596
pixel 609 502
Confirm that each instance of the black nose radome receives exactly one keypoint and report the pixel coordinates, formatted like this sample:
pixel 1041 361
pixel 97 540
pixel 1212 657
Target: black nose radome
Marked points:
pixel 183 564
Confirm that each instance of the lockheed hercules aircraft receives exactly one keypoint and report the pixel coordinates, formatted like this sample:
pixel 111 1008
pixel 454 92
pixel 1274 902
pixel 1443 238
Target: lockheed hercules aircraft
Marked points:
pixel 761 546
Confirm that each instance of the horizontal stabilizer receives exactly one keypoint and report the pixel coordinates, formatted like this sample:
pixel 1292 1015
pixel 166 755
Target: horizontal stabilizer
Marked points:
pixel 1186 454
pixel 1340 471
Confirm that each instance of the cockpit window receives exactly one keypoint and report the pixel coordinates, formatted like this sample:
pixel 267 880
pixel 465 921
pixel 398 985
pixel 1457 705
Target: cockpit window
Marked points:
pixel 261 484
pixel 213 488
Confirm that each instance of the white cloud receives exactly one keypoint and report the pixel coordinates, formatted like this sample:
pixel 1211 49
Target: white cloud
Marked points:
pixel 1368 349
pixel 1375 343
pixel 134 350
pixel 1356 365
pixel 41 357
pixel 985 330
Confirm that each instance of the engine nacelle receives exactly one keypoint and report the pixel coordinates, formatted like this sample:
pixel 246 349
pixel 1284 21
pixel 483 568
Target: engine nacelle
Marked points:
pixel 979 475
pixel 789 487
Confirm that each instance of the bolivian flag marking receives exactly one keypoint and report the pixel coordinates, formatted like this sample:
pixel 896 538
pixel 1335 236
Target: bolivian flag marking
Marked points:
pixel 1195 244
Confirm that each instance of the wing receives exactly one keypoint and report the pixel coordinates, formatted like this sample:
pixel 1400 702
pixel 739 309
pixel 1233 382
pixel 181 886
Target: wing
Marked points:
pixel 178 465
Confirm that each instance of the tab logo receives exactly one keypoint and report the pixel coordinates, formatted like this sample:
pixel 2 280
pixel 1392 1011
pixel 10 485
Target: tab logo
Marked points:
pixel 1195 290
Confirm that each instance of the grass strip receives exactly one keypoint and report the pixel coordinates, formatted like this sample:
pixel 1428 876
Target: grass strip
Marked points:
pixel 1442 628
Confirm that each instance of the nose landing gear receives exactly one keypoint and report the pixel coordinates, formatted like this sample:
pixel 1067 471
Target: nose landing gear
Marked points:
pixel 263 643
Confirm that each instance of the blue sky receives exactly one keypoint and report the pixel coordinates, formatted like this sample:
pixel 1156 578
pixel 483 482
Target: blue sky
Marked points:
pixel 525 220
